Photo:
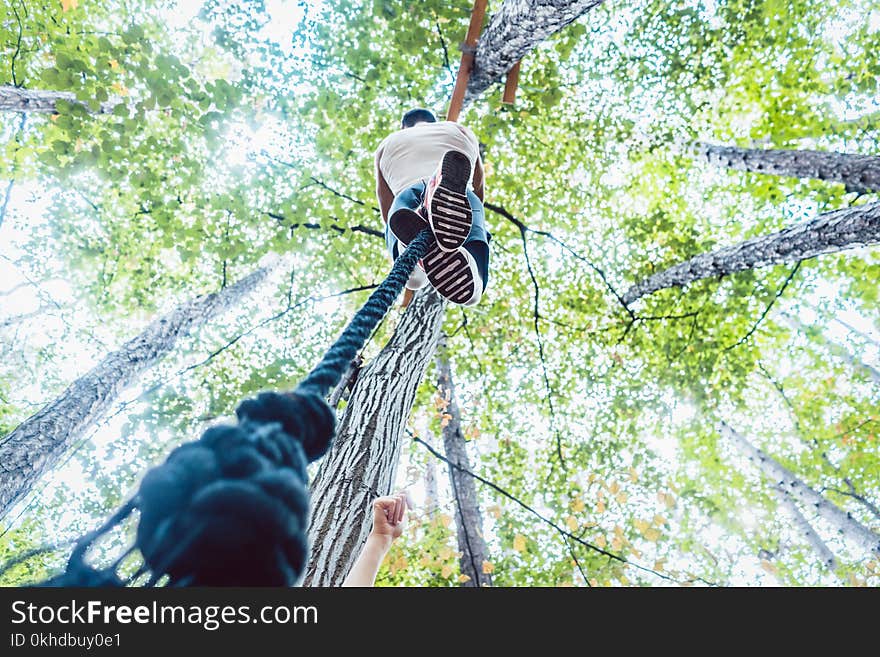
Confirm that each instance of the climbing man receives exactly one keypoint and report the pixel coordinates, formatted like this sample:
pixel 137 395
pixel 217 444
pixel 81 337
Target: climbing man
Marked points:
pixel 429 174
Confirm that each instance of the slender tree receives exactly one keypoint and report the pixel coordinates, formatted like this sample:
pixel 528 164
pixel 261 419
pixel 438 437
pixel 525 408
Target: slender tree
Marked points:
pixel 830 232
pixel 362 463
pixel 805 529
pixel 858 172
pixel 38 443
pixel 836 349
pixel 845 525
pixel 15 99
pixel 469 522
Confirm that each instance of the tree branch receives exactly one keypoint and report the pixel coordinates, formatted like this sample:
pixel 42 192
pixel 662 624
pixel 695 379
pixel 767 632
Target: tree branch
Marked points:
pixel 562 532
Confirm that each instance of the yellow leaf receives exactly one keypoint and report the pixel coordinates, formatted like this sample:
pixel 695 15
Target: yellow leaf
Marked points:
pixel 401 562
pixel 519 543
pixel 600 506
pixel 577 505
pixel 488 567
pixel 119 88
pixel 651 534
pixel 444 519
pixel 594 581
pixel 640 525
pixel 113 64
pixel 572 523
pixel 446 571
pixel 495 510
pixel 621 498
pixel 624 581
pixel 670 500
pixel 601 542
pixel 426 561
pixel 616 543
pixel 659 520
pixel 464 578
pixel 618 531
pixel 614 487
pixel 659 565
pixel 633 475
pixel 67 5
pixel 445 552
pixel 769 567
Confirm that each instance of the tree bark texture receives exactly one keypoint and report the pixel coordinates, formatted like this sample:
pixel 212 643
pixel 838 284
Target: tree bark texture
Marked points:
pixel 432 494
pixel 804 529
pixel 515 29
pixel 846 526
pixel 362 464
pixel 38 443
pixel 468 521
pixel 860 173
pixel 830 232
pixel 14 99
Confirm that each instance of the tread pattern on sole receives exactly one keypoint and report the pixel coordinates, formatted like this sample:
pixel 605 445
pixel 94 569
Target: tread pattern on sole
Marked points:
pixel 450 274
pixel 449 211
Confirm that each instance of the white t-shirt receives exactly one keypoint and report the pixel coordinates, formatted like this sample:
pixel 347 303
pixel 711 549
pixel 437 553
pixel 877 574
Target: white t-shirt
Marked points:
pixel 411 154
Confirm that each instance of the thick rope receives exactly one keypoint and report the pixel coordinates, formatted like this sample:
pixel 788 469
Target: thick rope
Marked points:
pixel 232 508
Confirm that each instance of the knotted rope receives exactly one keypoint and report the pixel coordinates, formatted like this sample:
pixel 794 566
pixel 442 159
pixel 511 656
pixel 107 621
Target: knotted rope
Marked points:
pixel 232 508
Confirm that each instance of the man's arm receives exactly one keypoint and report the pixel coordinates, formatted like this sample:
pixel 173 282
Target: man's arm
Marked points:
pixel 389 519
pixel 383 191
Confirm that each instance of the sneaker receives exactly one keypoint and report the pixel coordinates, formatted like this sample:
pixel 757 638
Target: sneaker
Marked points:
pixel 454 275
pixel 449 211
pixel 405 224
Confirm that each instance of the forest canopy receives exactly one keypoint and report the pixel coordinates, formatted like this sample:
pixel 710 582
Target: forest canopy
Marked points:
pixel 672 379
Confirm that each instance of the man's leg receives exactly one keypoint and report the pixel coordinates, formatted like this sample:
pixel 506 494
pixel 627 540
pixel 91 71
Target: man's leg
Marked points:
pixel 447 203
pixel 399 215
pixel 404 219
pixel 461 275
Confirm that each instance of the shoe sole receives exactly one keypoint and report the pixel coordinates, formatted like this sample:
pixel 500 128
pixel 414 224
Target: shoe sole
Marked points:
pixel 450 274
pixel 449 211
pixel 405 224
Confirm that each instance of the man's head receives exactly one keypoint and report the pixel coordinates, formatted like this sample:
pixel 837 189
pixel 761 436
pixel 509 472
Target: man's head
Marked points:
pixel 417 115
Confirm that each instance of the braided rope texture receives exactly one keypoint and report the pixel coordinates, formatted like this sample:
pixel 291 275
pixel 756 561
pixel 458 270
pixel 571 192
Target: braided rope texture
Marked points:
pixel 232 508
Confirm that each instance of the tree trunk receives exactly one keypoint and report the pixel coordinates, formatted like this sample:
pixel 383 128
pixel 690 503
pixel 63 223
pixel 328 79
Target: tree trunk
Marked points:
pixel 847 526
pixel 859 173
pixel 362 464
pixel 432 494
pixel 38 443
pixel 830 232
pixel 469 523
pixel 836 349
pixel 805 529
pixel 14 99
pixel 515 29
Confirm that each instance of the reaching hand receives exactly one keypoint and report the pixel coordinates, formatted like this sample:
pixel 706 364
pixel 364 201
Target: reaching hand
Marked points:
pixel 389 516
